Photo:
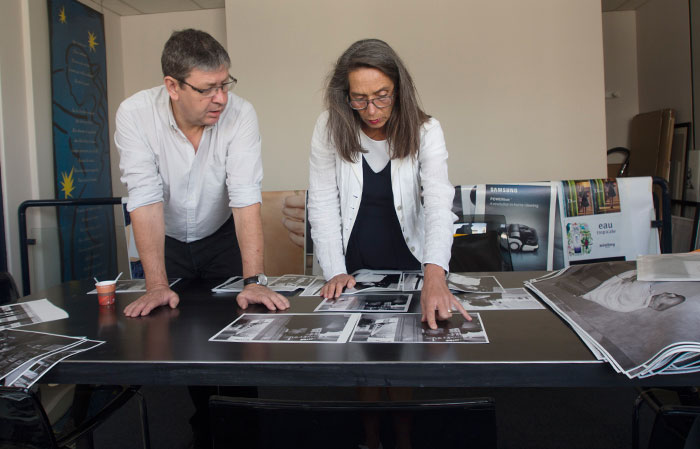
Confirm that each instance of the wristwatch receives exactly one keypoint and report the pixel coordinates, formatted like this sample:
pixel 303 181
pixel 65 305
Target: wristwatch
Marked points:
pixel 259 279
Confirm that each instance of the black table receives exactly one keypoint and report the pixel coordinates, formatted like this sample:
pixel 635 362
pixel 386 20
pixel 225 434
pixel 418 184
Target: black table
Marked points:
pixel 528 348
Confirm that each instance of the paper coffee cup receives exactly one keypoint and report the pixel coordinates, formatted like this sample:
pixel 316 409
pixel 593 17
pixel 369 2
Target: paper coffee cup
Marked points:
pixel 105 292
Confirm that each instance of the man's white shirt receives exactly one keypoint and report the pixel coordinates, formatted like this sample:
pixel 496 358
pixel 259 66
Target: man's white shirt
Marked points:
pixel 158 163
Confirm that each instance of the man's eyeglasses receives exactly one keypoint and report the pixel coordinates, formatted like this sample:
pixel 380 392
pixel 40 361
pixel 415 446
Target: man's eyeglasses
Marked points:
pixel 379 102
pixel 211 91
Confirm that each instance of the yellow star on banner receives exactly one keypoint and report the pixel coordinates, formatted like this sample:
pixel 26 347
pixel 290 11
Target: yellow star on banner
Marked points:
pixel 67 184
pixel 92 41
pixel 62 15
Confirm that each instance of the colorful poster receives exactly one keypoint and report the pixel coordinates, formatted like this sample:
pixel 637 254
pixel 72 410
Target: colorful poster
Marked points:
pixel 81 139
pixel 601 219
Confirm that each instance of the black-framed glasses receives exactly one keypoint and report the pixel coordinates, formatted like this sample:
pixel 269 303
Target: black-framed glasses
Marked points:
pixel 211 91
pixel 379 102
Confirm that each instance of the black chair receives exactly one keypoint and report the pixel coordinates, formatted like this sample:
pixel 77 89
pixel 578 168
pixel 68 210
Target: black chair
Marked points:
pixel 8 289
pixel 481 243
pixel 445 423
pixel 24 241
pixel 24 424
pixel 622 169
pixel 675 411
pixel 662 208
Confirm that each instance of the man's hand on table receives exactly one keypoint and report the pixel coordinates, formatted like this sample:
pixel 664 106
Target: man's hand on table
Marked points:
pixel 436 297
pixel 335 285
pixel 258 294
pixel 158 296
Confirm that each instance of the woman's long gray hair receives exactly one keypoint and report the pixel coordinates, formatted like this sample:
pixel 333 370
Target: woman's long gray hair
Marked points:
pixel 403 126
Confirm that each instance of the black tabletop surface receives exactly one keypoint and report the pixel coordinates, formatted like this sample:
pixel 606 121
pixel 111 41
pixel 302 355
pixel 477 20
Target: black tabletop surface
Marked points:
pixel 171 347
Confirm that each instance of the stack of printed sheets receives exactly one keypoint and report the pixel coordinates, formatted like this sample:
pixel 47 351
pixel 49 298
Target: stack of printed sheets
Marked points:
pixel 641 328
pixel 25 356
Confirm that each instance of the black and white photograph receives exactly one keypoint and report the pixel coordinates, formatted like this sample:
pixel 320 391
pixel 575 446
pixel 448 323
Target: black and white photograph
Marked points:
pixel 398 302
pixel 375 281
pixel 291 282
pixel 471 284
pixel 412 281
pixel 509 299
pixel 314 289
pixel 408 328
pixel 132 286
pixel 28 377
pixel 605 303
pixel 232 284
pixel 30 312
pixel 289 328
pixel 18 347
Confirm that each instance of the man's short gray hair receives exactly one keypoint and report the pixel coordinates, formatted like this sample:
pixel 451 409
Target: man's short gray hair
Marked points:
pixel 192 49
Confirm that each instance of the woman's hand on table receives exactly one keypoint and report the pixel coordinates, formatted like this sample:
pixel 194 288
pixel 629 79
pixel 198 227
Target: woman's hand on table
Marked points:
pixel 436 300
pixel 335 286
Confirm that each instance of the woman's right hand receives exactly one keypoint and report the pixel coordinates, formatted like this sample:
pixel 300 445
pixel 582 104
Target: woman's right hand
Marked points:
pixel 334 287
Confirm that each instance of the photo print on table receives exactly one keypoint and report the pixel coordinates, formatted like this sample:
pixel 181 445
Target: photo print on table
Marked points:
pixel 289 328
pixel 385 302
pixel 408 328
pixel 509 299
pixel 472 284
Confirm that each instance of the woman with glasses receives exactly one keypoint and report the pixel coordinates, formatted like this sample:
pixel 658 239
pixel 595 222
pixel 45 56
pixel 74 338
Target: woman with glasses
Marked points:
pixel 379 196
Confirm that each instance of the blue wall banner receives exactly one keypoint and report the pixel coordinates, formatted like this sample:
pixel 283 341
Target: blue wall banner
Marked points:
pixel 81 139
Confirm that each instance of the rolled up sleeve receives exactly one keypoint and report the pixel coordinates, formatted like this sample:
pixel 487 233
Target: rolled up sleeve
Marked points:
pixel 324 203
pixel 244 171
pixel 137 162
pixel 438 194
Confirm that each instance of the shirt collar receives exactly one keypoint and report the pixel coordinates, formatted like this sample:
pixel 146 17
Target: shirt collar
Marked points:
pixel 171 117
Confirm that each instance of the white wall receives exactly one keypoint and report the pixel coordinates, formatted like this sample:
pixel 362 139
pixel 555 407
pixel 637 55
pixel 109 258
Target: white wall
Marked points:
pixel 18 173
pixel 142 40
pixel 518 86
pixel 620 51
pixel 663 52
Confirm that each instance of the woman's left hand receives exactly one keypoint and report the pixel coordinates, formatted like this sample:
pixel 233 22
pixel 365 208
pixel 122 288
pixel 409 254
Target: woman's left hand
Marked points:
pixel 435 296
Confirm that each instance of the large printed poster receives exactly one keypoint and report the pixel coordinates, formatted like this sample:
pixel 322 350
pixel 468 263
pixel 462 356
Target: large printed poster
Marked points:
pixel 607 219
pixel 81 139
pixel 529 212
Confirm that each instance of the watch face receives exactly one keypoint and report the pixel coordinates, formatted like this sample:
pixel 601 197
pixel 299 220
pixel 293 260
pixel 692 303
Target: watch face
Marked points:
pixel 262 279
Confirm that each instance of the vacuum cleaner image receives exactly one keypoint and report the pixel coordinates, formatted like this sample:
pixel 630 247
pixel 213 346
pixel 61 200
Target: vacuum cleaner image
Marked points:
pixel 521 237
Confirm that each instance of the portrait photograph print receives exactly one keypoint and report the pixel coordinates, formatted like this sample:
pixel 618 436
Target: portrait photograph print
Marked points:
pixel 605 303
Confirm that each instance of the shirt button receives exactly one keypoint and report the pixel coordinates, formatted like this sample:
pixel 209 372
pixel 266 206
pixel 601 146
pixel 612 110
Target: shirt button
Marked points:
pixel 413 249
pixel 398 207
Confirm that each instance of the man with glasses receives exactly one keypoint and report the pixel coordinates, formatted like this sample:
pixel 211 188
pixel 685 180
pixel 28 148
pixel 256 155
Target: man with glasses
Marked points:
pixel 190 158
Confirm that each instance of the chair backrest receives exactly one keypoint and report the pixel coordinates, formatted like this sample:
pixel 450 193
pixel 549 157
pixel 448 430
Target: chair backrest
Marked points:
pixel 448 423
pixel 23 423
pixel 24 241
pixel 481 243
pixel 618 169
pixel 651 137
pixel 8 288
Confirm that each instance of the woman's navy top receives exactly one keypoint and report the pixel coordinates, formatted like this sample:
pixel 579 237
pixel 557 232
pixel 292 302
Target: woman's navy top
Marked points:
pixel 376 241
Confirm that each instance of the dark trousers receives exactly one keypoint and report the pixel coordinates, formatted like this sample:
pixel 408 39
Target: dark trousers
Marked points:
pixel 216 256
